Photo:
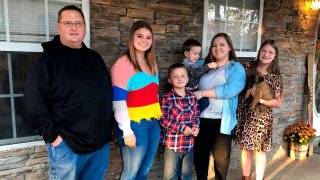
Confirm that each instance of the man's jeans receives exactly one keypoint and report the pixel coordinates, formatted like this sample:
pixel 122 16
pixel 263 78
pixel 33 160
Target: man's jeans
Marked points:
pixel 65 164
pixel 136 162
pixel 178 165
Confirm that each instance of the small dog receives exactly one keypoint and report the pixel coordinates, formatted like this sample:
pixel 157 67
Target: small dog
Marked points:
pixel 262 91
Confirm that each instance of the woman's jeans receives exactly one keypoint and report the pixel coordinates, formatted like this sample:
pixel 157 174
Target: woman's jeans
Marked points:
pixel 177 165
pixel 136 162
pixel 65 164
pixel 210 140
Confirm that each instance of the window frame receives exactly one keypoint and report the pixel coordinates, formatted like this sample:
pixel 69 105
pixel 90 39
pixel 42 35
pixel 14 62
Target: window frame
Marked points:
pixel 238 53
pixel 10 47
pixel 36 47
pixel 313 61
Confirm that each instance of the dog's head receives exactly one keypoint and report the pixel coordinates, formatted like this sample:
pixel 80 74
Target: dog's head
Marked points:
pixel 255 78
pixel 258 77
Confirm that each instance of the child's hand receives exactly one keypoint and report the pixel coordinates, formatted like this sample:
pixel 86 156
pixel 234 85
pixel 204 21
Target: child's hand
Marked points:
pixel 195 131
pixel 213 65
pixel 253 90
pixel 189 88
pixel 187 131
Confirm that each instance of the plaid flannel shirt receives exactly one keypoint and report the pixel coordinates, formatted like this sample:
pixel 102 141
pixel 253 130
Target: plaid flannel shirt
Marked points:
pixel 177 113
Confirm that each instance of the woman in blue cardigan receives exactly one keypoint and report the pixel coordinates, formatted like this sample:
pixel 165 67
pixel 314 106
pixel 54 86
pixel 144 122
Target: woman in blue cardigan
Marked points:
pixel 218 94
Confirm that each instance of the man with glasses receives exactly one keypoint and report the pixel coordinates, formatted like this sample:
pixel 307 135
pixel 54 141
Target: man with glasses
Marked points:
pixel 68 101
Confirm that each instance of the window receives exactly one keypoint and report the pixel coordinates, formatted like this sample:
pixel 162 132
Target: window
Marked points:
pixel 240 19
pixel 24 25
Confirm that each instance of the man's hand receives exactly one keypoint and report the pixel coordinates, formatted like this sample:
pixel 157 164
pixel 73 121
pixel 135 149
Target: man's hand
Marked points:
pixel 56 142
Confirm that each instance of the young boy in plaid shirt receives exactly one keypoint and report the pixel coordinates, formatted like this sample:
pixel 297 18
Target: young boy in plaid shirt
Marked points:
pixel 180 124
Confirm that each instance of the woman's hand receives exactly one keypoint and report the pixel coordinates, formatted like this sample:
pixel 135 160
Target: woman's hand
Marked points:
pixel 209 93
pixel 198 94
pixel 130 141
pixel 274 103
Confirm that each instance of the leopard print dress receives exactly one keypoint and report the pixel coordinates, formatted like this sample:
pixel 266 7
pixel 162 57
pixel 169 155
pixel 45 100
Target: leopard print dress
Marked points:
pixel 251 132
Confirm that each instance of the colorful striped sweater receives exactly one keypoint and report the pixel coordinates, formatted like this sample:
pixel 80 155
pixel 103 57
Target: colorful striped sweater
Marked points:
pixel 135 95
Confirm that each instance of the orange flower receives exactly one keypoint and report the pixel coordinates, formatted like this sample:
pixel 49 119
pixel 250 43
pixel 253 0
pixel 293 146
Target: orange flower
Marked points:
pixel 299 133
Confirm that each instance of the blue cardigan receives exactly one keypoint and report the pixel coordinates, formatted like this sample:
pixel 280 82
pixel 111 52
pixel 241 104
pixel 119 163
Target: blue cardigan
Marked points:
pixel 235 83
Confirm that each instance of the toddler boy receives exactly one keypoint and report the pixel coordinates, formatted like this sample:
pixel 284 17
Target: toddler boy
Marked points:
pixel 191 50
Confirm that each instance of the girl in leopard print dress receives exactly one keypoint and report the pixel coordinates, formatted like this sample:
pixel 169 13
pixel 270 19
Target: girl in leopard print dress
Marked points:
pixel 254 131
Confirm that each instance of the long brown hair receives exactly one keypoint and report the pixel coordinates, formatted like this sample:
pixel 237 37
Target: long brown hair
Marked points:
pixel 232 54
pixel 274 65
pixel 149 54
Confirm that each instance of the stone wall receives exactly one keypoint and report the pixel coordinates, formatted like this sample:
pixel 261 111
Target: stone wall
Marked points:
pixel 27 161
pixel 289 22
pixel 293 25
pixel 173 22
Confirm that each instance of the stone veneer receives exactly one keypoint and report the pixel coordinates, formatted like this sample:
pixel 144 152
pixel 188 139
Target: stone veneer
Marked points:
pixel 26 161
pixel 290 23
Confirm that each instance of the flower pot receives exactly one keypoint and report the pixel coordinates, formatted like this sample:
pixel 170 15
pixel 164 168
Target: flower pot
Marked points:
pixel 298 151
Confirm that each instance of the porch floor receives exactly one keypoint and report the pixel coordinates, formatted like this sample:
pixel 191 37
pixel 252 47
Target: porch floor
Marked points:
pixel 287 169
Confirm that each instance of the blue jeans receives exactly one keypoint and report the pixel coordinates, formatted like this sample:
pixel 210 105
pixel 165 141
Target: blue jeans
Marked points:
pixel 136 162
pixel 65 164
pixel 178 165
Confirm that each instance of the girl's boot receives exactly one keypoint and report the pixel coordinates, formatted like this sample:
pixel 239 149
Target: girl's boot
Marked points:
pixel 246 177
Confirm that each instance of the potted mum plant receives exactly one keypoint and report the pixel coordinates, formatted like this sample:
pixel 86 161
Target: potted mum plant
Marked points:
pixel 299 135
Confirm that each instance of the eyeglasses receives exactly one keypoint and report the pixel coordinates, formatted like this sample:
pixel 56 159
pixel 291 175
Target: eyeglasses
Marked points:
pixel 269 52
pixel 70 24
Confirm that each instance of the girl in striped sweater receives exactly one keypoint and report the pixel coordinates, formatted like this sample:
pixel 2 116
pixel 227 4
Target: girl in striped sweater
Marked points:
pixel 136 106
